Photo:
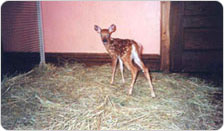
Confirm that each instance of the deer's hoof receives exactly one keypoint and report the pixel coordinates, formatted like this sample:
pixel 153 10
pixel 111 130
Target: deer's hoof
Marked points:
pixel 130 92
pixel 111 82
pixel 153 95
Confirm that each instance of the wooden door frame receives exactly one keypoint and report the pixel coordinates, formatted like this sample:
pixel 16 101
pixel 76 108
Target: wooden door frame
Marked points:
pixel 165 36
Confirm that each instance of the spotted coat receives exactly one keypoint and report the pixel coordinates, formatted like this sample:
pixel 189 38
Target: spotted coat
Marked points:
pixel 119 47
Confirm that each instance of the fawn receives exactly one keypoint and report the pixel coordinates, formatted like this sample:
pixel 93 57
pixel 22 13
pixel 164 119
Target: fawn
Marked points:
pixel 125 51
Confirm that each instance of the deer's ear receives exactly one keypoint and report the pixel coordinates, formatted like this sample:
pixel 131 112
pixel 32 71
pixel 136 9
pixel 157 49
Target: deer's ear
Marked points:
pixel 97 28
pixel 112 28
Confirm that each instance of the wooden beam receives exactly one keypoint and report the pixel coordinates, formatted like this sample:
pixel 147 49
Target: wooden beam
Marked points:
pixel 165 36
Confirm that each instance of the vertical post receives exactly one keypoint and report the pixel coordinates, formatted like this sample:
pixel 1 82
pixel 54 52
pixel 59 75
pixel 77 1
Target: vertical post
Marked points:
pixel 40 29
pixel 165 36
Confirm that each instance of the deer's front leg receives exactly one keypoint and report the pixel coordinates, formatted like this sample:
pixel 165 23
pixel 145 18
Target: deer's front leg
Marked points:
pixel 114 64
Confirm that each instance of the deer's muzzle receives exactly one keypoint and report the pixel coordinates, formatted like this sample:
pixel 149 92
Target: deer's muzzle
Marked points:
pixel 104 40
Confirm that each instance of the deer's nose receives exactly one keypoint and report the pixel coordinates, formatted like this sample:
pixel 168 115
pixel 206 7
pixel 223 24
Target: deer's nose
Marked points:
pixel 104 40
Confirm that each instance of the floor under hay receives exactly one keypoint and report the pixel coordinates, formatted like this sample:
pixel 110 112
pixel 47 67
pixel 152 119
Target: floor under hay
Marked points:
pixel 78 97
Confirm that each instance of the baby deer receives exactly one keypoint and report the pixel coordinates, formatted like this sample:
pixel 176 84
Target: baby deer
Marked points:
pixel 125 51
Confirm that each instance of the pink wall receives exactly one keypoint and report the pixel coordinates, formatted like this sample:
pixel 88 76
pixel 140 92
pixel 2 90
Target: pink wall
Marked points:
pixel 69 26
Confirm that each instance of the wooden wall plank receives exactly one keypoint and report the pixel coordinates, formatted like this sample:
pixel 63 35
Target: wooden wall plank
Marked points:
pixel 204 61
pixel 176 35
pixel 202 8
pixel 202 21
pixel 151 61
pixel 203 39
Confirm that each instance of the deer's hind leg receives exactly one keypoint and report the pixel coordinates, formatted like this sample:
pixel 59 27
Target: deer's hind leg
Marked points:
pixel 134 70
pixel 145 70
pixel 136 57
pixel 146 73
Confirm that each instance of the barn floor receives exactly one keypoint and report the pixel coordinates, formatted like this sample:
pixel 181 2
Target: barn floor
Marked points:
pixel 78 97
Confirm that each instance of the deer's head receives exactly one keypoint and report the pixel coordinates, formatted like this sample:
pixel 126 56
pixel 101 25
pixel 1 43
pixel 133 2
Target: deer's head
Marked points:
pixel 105 33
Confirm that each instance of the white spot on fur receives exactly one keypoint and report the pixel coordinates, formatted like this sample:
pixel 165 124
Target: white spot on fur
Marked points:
pixel 135 57
pixel 121 63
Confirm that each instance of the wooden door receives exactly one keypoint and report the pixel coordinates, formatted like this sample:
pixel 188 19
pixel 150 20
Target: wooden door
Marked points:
pixel 196 36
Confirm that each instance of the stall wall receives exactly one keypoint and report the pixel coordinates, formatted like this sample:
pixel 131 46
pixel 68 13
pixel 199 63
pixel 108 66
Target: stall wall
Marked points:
pixel 69 26
pixel 19 27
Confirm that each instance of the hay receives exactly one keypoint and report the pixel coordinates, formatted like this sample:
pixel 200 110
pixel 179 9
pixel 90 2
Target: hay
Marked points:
pixel 78 97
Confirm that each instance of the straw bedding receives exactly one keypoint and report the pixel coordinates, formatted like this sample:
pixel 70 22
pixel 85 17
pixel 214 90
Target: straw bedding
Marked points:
pixel 78 97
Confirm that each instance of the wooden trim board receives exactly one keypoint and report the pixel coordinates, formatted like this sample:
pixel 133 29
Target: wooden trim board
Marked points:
pixel 18 59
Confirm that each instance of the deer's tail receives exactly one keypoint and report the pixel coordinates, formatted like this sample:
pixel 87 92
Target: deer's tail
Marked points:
pixel 140 49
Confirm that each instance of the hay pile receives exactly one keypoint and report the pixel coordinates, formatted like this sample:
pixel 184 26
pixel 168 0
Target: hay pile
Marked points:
pixel 78 97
